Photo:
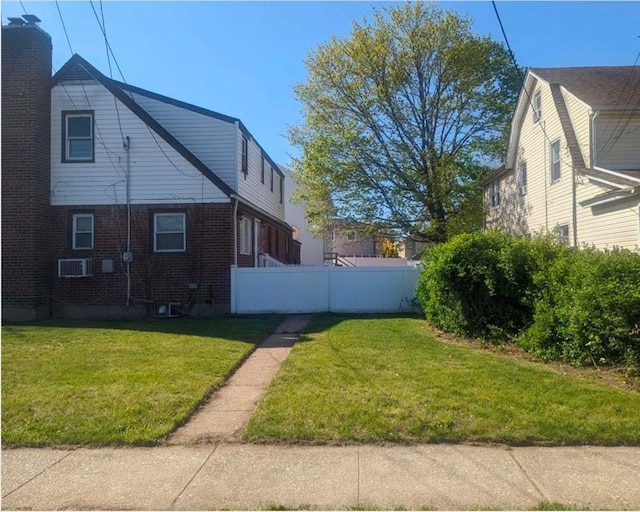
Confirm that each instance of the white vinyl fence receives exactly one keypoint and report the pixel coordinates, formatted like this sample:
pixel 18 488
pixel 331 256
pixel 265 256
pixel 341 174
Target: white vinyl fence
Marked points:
pixel 318 289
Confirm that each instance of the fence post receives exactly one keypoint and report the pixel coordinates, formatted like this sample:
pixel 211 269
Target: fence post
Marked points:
pixel 326 285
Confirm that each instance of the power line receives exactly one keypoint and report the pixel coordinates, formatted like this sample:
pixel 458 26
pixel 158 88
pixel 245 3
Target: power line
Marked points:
pixel 23 8
pixel 64 27
pixel 515 63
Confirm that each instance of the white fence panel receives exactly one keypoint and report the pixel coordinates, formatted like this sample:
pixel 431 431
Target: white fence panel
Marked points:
pixel 371 289
pixel 318 289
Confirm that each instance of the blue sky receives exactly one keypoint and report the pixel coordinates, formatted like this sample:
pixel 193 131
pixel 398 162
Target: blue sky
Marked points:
pixel 243 58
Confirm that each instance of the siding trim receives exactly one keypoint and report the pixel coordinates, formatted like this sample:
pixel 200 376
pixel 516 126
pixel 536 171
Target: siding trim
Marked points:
pixel 145 117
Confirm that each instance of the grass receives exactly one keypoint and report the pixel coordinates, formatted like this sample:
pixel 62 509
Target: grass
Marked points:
pixel 375 380
pixel 115 382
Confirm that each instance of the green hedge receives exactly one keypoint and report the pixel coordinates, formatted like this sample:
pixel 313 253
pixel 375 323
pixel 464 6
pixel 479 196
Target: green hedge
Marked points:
pixel 581 306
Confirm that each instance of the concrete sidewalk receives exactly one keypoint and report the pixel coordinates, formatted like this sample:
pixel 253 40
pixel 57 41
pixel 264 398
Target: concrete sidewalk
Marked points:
pixel 238 476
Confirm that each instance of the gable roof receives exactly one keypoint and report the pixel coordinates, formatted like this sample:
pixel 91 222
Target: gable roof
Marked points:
pixel 77 68
pixel 601 87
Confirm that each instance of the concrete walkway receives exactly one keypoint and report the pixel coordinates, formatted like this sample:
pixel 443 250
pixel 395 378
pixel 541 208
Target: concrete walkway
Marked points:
pixel 237 476
pixel 226 414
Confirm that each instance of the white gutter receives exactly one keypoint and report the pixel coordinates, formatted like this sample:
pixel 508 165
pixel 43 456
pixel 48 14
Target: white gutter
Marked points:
pixel 619 175
pixel 235 231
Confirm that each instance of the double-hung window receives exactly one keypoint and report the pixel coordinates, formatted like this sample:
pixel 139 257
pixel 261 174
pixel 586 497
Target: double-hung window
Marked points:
pixel 281 189
pixel 494 193
pixel 82 237
pixel 537 107
pixel 77 136
pixel 262 172
pixel 245 156
pixel 245 236
pixel 169 232
pixel 554 150
pixel 522 178
pixel 271 179
pixel 563 234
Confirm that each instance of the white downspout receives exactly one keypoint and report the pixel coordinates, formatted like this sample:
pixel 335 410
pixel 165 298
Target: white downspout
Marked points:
pixel 127 147
pixel 592 126
pixel 235 232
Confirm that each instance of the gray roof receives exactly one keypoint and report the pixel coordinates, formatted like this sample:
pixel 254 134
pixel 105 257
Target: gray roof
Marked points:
pixel 606 87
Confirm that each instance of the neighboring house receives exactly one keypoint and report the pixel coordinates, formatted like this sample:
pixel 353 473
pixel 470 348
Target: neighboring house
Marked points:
pixel 120 201
pixel 348 238
pixel 311 251
pixel 410 249
pixel 573 160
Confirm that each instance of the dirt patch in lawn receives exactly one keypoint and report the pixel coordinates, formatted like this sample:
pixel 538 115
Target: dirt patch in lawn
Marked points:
pixel 620 377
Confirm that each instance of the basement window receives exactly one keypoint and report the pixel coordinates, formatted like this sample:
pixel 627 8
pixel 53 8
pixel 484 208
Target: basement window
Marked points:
pixel 169 232
pixel 77 136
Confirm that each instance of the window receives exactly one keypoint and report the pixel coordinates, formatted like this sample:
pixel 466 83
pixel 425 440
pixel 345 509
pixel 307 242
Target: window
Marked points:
pixel 271 179
pixel 245 236
pixel 537 106
pixel 77 135
pixel 494 193
pixel 281 189
pixel 262 172
pixel 522 178
pixel 245 156
pixel 82 238
pixel 554 151
pixel 351 235
pixel 169 232
pixel 563 234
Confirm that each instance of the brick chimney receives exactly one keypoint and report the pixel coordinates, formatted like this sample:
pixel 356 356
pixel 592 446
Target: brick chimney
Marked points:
pixel 26 163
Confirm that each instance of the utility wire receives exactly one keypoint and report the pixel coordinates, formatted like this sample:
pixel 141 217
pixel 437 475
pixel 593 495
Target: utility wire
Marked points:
pixel 521 75
pixel 64 27
pixel 23 8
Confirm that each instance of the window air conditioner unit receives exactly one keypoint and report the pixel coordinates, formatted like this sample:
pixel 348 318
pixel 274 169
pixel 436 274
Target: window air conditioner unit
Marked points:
pixel 80 267
pixel 523 190
pixel 171 310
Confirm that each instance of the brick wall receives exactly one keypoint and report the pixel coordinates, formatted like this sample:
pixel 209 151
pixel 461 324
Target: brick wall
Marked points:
pixel 26 112
pixel 156 278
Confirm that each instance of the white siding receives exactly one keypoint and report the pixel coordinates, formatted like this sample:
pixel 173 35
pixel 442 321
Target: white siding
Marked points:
pixel 155 178
pixel 211 140
pixel 608 225
pixel 617 142
pixel 579 114
pixel 250 186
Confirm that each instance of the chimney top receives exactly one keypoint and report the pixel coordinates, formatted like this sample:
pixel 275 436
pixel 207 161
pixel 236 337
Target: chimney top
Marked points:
pixel 27 19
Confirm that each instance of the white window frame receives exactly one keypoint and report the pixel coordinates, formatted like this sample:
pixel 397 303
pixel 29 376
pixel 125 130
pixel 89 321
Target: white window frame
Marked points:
pixel 67 138
pixel 555 161
pixel 74 244
pixel 563 234
pixel 494 194
pixel 156 216
pixel 537 107
pixel 246 237
pixel 522 183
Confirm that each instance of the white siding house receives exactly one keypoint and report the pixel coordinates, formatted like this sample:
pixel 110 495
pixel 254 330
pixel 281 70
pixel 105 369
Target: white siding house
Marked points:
pixel 573 160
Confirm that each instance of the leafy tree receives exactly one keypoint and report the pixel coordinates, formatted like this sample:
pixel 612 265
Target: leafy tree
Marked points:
pixel 401 120
pixel 388 249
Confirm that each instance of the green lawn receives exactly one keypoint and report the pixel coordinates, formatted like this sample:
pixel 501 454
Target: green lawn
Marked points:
pixel 116 382
pixel 359 379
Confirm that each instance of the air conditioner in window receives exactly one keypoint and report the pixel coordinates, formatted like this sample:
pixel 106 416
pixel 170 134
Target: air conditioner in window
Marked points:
pixel 523 190
pixel 171 310
pixel 79 267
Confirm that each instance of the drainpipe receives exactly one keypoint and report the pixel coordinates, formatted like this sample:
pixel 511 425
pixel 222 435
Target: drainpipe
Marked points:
pixel 592 126
pixel 127 147
pixel 235 232
pixel 546 179
pixel 574 194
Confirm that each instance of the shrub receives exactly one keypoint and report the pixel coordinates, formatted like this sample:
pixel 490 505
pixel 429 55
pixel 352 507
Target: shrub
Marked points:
pixel 587 309
pixel 479 284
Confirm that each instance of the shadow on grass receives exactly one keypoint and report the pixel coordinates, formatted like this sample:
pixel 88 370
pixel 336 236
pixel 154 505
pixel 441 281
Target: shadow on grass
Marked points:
pixel 243 328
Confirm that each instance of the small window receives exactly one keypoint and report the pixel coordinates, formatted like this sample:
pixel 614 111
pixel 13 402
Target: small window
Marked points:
pixel 537 106
pixel 281 189
pixel 245 236
pixel 271 179
pixel 245 156
pixel 77 128
pixel 522 178
pixel 169 232
pixel 351 235
pixel 554 151
pixel 494 193
pixel 262 172
pixel 82 231
pixel 563 234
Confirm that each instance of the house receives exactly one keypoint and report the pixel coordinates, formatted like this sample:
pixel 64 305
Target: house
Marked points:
pixel 350 238
pixel 573 160
pixel 411 249
pixel 117 201
pixel 311 250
